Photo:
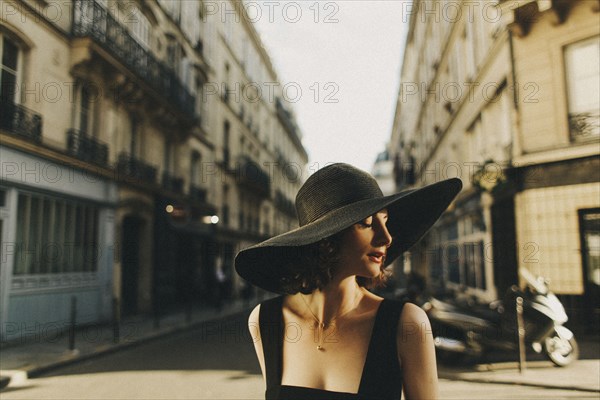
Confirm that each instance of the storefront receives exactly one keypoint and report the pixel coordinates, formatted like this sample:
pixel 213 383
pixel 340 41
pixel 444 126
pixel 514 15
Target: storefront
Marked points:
pixel 57 229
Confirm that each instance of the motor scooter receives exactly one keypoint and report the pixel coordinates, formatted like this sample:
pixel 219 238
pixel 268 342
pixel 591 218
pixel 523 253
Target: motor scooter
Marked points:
pixel 464 328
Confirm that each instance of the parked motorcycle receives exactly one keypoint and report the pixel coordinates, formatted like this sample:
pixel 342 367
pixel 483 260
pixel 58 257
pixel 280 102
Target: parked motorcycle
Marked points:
pixel 460 328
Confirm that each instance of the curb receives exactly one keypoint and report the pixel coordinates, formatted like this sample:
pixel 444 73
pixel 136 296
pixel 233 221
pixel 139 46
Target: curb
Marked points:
pixel 459 377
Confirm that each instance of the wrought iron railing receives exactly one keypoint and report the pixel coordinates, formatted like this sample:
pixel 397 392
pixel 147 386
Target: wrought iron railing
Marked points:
pixel 132 169
pixel 286 119
pixel 251 175
pixel 91 19
pixel 20 121
pixel 584 126
pixel 86 148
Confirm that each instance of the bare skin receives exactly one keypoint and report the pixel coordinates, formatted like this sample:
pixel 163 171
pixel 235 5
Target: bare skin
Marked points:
pixel 346 340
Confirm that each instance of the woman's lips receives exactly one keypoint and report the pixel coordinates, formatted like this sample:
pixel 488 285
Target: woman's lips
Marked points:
pixel 377 257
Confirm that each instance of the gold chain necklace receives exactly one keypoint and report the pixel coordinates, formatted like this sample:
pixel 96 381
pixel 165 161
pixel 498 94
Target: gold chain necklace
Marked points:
pixel 321 325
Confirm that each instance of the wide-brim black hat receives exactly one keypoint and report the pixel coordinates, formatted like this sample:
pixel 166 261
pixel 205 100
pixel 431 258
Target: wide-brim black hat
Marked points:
pixel 335 198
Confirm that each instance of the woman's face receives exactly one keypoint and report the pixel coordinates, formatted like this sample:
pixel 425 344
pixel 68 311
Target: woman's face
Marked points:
pixel 364 246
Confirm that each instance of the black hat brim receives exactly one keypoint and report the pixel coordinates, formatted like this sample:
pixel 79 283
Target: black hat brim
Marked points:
pixel 411 214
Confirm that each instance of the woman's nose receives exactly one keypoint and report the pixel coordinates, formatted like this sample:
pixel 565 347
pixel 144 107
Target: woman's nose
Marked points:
pixel 383 236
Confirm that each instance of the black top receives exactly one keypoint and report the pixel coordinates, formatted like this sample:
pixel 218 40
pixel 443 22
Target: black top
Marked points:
pixel 381 376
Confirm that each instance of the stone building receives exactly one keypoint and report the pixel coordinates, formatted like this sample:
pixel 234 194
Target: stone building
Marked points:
pixel 453 115
pixel 556 157
pixel 130 171
pixel 487 94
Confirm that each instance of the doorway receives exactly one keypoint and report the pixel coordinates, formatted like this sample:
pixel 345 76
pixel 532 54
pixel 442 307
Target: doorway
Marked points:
pixel 589 228
pixel 130 265
pixel 504 246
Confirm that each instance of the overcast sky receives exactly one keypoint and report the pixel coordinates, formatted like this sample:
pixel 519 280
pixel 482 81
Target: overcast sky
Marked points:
pixel 345 58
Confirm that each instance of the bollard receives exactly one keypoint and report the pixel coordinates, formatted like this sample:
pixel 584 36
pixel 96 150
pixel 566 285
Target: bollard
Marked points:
pixel 521 331
pixel 73 323
pixel 116 321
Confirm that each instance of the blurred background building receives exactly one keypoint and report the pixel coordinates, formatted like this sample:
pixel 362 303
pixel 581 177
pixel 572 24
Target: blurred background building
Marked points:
pixel 142 143
pixel 505 95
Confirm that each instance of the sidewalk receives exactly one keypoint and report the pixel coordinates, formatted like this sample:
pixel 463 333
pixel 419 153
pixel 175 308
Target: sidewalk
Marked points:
pixel 583 374
pixel 43 353
pixel 48 350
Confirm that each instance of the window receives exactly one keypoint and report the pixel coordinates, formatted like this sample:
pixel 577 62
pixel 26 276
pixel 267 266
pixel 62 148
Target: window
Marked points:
pixel 55 235
pixel 582 65
pixel 138 25
pixel 134 136
pixel 457 253
pixel 225 207
pixel 174 55
pixel 9 76
pixel 201 102
pixel 83 108
pixel 168 156
pixel 195 168
pixel 226 128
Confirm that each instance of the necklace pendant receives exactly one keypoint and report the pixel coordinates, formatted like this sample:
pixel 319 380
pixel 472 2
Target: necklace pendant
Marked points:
pixel 319 347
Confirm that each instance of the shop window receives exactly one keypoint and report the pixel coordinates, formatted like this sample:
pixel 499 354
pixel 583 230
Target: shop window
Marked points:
pixel 55 235
pixel 456 254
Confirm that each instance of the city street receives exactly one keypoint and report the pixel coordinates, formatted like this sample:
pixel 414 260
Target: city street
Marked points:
pixel 214 361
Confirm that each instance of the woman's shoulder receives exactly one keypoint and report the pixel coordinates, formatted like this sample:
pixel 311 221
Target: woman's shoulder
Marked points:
pixel 412 314
pixel 414 329
pixel 269 306
pixel 254 315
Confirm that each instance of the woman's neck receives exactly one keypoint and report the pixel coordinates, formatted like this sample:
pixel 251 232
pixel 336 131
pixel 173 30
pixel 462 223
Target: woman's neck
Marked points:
pixel 334 300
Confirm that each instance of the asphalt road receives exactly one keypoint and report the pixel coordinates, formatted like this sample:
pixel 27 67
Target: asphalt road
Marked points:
pixel 215 361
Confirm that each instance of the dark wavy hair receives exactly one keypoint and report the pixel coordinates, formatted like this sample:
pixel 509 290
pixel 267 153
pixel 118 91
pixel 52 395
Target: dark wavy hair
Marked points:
pixel 315 265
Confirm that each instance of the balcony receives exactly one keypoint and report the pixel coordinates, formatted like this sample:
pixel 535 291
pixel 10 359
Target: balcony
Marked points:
pixel 132 169
pixel 86 148
pixel 520 15
pixel 287 120
pixel 584 126
pixel 172 183
pixel 91 20
pixel 251 176
pixel 20 121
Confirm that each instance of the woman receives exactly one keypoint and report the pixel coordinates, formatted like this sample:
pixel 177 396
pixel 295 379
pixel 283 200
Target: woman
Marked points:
pixel 327 336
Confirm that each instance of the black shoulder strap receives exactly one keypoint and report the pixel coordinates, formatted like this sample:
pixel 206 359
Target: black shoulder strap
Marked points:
pixel 271 335
pixel 382 377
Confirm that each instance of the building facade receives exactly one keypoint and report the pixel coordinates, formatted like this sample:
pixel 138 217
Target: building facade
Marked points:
pixel 129 178
pixel 556 165
pixel 260 160
pixel 452 116
pixel 487 100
